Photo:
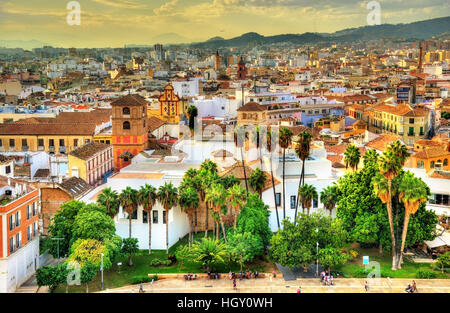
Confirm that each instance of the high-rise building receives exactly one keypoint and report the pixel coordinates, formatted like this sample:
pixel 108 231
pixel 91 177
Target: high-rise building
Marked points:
pixel 160 54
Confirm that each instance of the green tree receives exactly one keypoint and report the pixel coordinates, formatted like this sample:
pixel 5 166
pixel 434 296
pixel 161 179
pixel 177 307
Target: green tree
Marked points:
pixel 236 197
pixel 129 201
pixel 302 150
pixel 192 113
pixel 370 157
pixel 90 251
pixel 130 247
pixel 330 257
pixel 412 192
pixel 110 200
pixel 93 224
pixel 147 198
pixel 87 274
pixel 206 178
pixel 254 219
pixel 258 181
pixel 271 144
pixel 443 260
pixel 244 247
pixel 183 255
pixel 285 142
pixel 307 194
pixel 189 200
pixel 295 244
pixel 329 197
pixel 209 253
pixel 352 157
pixel 168 197
pixel 216 196
pixel 240 137
pixel 61 226
pixel 229 181
pixel 51 276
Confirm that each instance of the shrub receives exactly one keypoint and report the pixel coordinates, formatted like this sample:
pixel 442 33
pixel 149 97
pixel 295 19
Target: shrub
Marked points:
pixel 140 279
pixel 160 262
pixel 425 274
pixel 360 273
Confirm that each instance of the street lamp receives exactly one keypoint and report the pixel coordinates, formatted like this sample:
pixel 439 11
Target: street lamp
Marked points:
pixel 101 269
pixel 58 240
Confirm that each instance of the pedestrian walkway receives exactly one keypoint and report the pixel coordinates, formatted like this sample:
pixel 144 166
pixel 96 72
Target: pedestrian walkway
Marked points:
pixel 279 285
pixel 30 286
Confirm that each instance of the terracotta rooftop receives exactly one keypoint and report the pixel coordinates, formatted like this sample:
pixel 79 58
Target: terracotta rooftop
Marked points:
pixel 42 173
pixel 432 152
pixel 133 99
pixel 427 142
pixel 237 171
pixel 75 186
pixel 86 151
pixel 154 123
pixel 5 159
pixel 381 142
pixel 252 107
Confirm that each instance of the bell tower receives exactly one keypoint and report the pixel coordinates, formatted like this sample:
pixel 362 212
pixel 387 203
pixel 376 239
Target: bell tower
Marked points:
pixel 129 128
pixel 242 70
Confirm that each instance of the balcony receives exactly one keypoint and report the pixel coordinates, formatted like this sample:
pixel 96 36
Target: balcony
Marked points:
pixel 41 148
pixel 410 134
pixel 51 149
pixel 62 149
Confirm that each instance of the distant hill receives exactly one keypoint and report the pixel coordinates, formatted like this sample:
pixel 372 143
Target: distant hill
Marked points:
pixel 412 31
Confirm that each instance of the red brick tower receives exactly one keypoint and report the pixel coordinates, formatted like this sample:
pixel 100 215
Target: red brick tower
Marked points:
pixel 129 129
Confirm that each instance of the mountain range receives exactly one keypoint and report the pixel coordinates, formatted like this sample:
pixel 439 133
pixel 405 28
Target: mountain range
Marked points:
pixel 438 27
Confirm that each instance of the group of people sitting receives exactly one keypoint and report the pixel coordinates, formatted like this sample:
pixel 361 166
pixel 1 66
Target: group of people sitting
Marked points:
pixel 190 276
pixel 326 278
pixel 213 275
pixel 242 275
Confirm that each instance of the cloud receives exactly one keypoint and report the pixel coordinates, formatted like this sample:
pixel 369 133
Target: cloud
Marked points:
pixel 167 9
pixel 124 4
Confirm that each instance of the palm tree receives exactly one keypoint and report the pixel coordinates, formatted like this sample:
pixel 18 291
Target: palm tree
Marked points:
pixel 302 150
pixel 329 197
pixel 381 190
pixel 390 167
pixel 271 143
pixel 285 141
pixel 370 157
pixel 189 200
pixel 110 200
pixel 258 181
pixel 216 196
pixel 257 138
pixel 192 113
pixel 412 192
pixel 168 196
pixel 205 180
pixel 236 197
pixel 129 201
pixel 209 166
pixel 239 142
pixel 307 194
pixel 209 252
pixel 147 198
pixel 352 157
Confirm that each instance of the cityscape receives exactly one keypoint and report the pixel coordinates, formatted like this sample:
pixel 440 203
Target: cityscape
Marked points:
pixel 224 146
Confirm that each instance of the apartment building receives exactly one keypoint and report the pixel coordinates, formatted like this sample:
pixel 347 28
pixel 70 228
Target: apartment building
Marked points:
pixel 19 229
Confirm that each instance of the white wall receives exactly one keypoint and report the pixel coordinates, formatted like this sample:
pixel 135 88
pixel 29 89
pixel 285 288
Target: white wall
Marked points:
pixel 19 267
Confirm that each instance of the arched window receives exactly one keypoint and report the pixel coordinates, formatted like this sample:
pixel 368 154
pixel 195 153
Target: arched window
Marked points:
pixel 420 164
pixel 432 164
pixel 126 111
pixel 126 125
pixel 445 162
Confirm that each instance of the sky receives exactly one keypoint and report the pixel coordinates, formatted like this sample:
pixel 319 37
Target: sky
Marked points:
pixel 114 23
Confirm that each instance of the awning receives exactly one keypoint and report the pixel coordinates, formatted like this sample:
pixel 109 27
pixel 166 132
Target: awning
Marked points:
pixel 440 241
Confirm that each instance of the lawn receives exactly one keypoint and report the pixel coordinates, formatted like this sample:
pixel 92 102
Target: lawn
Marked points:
pixel 118 276
pixel 408 270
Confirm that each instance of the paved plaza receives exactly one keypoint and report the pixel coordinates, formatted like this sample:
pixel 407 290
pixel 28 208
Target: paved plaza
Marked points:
pixel 279 285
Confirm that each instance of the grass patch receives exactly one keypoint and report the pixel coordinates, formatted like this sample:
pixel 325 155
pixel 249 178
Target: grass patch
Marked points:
pixel 118 276
pixel 355 268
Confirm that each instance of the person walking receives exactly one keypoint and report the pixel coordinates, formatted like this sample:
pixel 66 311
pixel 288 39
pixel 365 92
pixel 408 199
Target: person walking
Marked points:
pixel 234 284
pixel 366 286
pixel 299 290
